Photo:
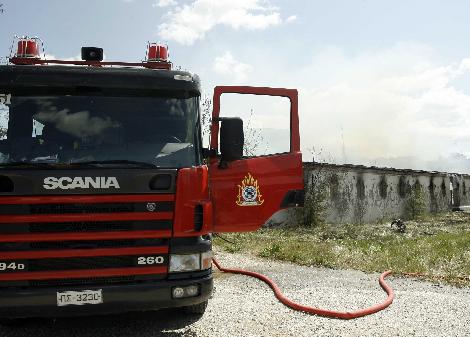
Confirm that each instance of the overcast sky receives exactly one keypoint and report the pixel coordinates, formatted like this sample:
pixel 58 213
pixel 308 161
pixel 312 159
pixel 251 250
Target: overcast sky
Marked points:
pixel 380 82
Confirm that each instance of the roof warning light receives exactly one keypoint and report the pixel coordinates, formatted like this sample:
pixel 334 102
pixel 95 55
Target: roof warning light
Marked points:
pixel 157 52
pixel 28 47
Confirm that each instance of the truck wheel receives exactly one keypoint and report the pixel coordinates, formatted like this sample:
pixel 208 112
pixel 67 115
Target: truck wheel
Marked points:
pixel 196 309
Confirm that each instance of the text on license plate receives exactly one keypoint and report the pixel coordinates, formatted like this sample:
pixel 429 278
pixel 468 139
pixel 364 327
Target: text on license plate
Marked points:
pixel 79 297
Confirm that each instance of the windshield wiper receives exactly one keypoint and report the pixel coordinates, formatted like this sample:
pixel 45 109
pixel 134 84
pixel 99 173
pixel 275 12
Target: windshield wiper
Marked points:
pixel 117 162
pixel 23 164
pixel 95 163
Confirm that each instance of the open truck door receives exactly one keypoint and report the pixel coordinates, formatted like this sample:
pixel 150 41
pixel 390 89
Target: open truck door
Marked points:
pixel 247 191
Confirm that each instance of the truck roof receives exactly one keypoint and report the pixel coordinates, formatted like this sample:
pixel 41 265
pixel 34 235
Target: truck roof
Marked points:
pixel 112 78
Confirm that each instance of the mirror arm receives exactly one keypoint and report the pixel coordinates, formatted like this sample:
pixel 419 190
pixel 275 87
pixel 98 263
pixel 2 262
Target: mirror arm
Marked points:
pixel 209 153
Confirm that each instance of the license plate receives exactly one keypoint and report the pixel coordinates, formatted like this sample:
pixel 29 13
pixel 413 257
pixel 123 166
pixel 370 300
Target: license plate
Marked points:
pixel 79 297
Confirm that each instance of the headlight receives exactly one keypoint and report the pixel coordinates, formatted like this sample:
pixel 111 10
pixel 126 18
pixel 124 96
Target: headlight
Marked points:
pixel 190 262
pixel 186 262
pixel 206 260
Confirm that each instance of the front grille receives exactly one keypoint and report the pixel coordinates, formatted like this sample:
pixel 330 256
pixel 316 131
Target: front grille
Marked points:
pixel 30 227
pixel 81 208
pixel 74 263
pixel 105 226
pixel 90 244
pixel 161 206
pixel 84 226
pixel 80 227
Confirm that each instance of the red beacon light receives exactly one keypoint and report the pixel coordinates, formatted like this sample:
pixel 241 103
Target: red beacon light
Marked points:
pixel 157 52
pixel 27 50
pixel 30 49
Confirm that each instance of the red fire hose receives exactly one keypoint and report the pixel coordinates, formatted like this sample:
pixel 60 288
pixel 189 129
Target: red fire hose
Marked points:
pixel 312 310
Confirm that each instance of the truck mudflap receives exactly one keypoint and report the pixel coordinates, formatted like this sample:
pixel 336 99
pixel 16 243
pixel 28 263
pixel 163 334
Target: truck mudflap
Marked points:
pixel 44 302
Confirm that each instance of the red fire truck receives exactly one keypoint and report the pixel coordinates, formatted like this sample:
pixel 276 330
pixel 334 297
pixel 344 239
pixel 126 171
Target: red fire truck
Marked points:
pixel 107 196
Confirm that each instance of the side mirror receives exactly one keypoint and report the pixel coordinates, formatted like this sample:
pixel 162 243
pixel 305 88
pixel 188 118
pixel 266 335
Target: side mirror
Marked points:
pixel 231 138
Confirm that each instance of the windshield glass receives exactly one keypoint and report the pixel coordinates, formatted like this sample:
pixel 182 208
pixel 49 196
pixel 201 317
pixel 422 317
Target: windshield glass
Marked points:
pixel 160 131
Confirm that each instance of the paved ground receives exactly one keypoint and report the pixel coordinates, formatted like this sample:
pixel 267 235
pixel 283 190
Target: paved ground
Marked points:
pixel 243 306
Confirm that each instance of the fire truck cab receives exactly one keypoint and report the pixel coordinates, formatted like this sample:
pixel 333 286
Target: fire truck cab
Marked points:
pixel 107 196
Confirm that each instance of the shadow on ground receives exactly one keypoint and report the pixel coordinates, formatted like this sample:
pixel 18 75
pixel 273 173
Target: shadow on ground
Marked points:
pixel 143 324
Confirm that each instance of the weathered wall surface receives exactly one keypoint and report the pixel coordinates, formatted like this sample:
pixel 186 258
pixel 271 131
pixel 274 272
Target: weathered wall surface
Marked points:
pixel 358 194
pixel 361 194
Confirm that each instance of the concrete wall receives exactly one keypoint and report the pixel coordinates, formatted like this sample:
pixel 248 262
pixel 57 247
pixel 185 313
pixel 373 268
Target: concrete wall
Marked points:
pixel 360 194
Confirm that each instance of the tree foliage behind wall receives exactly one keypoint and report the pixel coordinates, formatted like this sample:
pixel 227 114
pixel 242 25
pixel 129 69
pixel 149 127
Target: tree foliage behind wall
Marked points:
pixel 415 205
pixel 316 192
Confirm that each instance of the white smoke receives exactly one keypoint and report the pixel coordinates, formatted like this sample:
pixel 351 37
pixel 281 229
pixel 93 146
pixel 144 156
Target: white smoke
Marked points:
pixel 399 106
pixel 395 108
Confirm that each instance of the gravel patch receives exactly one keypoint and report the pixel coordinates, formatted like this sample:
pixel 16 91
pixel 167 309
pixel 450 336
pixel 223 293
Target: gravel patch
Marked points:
pixel 244 306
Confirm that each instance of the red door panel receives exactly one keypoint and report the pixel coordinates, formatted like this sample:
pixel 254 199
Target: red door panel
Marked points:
pixel 246 192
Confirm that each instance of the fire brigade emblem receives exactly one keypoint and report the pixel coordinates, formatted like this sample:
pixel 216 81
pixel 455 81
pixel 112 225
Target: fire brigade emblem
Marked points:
pixel 249 193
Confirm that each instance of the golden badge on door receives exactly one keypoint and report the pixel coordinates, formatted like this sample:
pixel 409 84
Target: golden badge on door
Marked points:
pixel 249 193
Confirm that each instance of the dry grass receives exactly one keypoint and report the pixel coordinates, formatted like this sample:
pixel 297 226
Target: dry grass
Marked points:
pixel 437 246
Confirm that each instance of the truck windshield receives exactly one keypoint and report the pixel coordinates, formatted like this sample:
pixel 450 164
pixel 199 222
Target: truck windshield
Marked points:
pixel 98 130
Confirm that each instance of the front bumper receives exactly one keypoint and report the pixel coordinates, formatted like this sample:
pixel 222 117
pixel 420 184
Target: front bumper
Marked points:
pixel 42 302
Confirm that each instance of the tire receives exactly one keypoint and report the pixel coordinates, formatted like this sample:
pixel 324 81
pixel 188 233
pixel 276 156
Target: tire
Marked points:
pixel 196 309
